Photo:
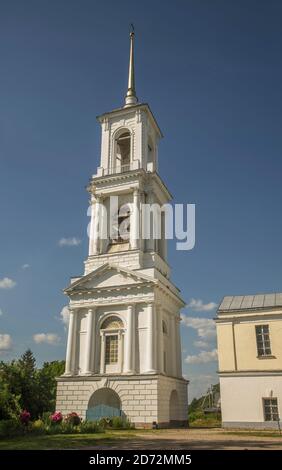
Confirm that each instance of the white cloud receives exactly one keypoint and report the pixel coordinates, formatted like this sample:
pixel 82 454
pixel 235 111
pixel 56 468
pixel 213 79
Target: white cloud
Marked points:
pixel 5 342
pixel 72 241
pixel 202 358
pixel 25 266
pixel 48 338
pixel 201 344
pixel 205 327
pixel 64 315
pixel 7 283
pixel 198 305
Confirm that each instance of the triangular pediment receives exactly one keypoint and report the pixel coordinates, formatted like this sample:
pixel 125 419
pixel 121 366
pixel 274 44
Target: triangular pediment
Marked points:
pixel 108 276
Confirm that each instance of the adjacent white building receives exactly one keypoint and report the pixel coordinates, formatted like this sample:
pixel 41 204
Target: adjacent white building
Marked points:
pixel 123 350
pixel 249 336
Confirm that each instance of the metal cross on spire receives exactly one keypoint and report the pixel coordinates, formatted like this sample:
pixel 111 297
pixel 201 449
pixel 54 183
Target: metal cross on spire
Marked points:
pixel 131 98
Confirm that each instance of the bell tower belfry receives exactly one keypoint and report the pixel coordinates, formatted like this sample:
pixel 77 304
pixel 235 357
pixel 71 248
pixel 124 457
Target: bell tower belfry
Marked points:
pixel 130 135
pixel 123 350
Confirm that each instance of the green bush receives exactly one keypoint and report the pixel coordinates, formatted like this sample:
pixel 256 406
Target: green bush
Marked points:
pixel 73 419
pixel 104 423
pixel 38 427
pixel 90 427
pixel 117 422
pixel 46 417
pixel 200 419
pixel 66 428
pixel 195 415
pixel 11 428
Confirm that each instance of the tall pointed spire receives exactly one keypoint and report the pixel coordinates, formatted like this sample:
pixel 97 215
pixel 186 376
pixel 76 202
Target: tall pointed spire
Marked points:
pixel 131 98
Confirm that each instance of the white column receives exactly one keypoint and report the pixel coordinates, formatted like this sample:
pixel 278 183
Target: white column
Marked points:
pixel 70 366
pixel 160 340
pixel 178 349
pixel 102 353
pixel 129 353
pixel 150 222
pixel 151 340
pixel 120 351
pixel 141 221
pixel 91 228
pixel 163 240
pixel 90 347
pixel 96 226
pixel 134 222
pixel 173 346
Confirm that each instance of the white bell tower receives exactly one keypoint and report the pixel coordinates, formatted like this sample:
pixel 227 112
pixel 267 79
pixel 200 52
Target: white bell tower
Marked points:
pixel 123 350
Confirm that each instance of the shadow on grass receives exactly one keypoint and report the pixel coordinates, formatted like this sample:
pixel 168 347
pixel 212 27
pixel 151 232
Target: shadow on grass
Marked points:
pixel 64 441
pixel 146 440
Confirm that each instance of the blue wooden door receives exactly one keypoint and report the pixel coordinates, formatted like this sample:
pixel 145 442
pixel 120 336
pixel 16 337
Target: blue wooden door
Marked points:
pixel 102 411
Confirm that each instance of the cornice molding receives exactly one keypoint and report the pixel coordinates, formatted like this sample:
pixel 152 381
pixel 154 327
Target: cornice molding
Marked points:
pixel 250 373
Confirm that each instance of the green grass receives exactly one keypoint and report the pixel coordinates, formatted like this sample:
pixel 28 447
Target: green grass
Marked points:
pixel 107 438
pixel 263 433
pixel 65 441
pixel 199 420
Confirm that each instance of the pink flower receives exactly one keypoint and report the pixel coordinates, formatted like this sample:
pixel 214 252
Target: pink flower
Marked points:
pixel 73 419
pixel 56 417
pixel 25 417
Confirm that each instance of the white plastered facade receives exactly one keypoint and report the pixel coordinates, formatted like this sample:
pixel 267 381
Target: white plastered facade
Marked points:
pixel 130 283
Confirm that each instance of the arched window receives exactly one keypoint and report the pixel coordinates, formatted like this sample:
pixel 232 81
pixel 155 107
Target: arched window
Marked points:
pixel 112 323
pixel 111 330
pixel 123 144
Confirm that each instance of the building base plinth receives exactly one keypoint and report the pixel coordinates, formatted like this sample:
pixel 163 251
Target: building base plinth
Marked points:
pixel 147 401
pixel 265 425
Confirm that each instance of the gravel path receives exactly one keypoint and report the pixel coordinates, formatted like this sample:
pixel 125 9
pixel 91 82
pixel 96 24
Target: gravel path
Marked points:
pixel 189 439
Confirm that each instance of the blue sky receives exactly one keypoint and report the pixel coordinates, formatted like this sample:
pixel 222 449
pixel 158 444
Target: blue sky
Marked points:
pixel 212 74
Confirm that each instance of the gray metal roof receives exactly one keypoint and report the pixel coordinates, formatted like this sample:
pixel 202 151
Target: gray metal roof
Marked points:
pixel 245 302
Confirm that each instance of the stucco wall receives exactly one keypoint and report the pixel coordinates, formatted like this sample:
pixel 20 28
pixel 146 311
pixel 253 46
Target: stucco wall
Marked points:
pixel 245 347
pixel 241 397
pixel 143 399
pixel 170 339
pixel 166 386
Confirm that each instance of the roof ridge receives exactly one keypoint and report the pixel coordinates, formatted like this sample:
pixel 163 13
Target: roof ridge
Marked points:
pixel 251 301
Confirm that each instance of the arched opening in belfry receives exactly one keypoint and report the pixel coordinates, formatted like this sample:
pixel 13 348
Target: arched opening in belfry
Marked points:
pixel 151 151
pixel 120 233
pixel 123 223
pixel 123 148
pixel 104 403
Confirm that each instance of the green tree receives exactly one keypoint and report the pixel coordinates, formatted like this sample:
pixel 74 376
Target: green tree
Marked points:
pixel 9 403
pixel 30 395
pixel 48 385
pixel 23 386
pixel 27 363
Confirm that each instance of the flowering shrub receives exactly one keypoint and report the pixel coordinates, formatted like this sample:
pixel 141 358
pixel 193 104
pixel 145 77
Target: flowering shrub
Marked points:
pixel 38 427
pixel 25 417
pixel 90 427
pixel 73 419
pixel 56 418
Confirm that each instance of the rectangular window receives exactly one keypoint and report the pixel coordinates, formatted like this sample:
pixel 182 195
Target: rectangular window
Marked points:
pixel 270 407
pixel 111 349
pixel 263 340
